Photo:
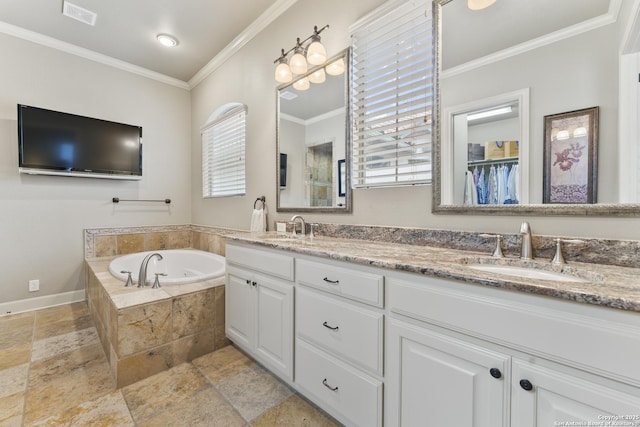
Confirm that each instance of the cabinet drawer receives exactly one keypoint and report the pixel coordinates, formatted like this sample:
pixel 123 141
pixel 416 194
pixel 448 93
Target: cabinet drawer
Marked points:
pixel 263 260
pixel 350 283
pixel 351 332
pixel 341 390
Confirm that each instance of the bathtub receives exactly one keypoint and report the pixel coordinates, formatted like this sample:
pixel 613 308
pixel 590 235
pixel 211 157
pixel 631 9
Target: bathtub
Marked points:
pixel 180 266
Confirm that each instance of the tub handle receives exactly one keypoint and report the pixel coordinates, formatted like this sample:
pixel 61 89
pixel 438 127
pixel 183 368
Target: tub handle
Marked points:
pixel 129 281
pixel 156 283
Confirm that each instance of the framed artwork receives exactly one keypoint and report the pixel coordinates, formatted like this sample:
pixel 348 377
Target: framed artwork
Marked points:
pixel 342 189
pixel 571 157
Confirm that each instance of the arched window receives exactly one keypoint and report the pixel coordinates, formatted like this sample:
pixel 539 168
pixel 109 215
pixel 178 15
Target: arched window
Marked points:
pixel 223 152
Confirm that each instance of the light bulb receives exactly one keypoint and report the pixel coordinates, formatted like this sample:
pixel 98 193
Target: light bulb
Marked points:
pixel 283 73
pixel 302 84
pixel 318 76
pixel 336 67
pixel 316 53
pixel 298 64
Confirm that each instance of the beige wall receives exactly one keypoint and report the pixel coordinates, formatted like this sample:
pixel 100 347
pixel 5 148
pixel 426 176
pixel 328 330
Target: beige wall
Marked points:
pixel 248 78
pixel 41 217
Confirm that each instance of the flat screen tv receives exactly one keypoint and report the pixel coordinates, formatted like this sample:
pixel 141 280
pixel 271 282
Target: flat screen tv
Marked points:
pixel 56 143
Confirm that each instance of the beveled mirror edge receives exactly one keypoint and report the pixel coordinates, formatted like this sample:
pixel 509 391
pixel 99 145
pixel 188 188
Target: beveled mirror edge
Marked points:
pixel 347 208
pixel 600 209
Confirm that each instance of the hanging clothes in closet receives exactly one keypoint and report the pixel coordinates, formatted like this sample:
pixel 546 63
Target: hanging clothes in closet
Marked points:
pixel 498 187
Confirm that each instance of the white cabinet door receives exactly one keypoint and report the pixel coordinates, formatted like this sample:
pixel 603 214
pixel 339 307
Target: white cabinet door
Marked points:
pixel 436 380
pixel 274 315
pixel 547 397
pixel 239 313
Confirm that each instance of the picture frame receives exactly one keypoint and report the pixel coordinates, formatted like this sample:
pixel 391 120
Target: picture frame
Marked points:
pixel 571 157
pixel 342 173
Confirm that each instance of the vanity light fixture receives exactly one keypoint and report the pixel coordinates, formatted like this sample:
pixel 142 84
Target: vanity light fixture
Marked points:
pixel 167 40
pixel 562 135
pixel 302 84
pixel 315 53
pixel 336 67
pixel 318 76
pixel 489 113
pixel 580 131
pixel 479 4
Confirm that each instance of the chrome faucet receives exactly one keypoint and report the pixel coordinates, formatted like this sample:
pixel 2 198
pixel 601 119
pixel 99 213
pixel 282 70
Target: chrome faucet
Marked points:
pixel 142 274
pixel 304 225
pixel 526 251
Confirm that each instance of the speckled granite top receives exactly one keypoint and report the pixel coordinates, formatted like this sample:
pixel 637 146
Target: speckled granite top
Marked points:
pixel 605 285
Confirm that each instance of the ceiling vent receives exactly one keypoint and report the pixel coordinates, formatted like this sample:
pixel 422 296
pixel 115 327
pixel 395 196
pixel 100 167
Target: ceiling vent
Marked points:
pixel 288 95
pixel 78 13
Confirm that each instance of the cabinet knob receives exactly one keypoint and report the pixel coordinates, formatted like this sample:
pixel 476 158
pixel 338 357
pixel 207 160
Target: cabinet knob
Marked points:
pixel 254 283
pixel 526 385
pixel 248 282
pixel 495 373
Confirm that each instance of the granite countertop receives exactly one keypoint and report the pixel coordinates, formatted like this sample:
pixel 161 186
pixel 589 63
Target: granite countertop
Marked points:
pixel 606 285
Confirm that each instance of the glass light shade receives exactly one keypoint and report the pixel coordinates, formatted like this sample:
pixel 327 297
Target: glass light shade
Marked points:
pixel 335 68
pixel 283 73
pixel 316 53
pixel 479 4
pixel 298 64
pixel 302 84
pixel 318 76
pixel 562 135
pixel 581 131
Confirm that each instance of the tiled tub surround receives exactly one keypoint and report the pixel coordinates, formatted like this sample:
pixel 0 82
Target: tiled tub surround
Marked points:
pixel 144 331
pixel 609 285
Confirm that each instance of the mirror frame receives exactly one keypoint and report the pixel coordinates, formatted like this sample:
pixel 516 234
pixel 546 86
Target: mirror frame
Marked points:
pixel 599 209
pixel 348 205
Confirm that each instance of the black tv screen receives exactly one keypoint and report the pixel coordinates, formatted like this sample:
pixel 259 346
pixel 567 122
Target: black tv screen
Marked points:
pixel 56 143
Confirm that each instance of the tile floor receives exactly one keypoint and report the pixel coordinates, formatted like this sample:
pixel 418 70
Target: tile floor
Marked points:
pixel 53 372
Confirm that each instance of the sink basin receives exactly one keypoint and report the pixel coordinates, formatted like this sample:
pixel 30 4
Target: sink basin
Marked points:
pixel 524 272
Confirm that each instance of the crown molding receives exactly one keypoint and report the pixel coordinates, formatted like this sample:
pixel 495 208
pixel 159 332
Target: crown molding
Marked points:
pixel 270 15
pixel 591 24
pixel 69 48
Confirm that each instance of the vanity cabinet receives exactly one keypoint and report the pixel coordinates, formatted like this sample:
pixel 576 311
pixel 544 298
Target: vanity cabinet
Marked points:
pixel 471 356
pixel 259 306
pixel 339 339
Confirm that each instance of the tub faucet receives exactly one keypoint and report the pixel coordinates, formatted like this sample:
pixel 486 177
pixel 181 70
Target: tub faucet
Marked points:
pixel 142 275
pixel 526 251
pixel 303 224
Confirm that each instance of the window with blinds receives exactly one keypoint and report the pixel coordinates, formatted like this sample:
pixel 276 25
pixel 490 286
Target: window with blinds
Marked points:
pixel 223 154
pixel 392 95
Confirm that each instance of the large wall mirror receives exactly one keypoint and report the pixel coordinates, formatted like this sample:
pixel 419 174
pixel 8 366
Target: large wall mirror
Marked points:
pixel 502 71
pixel 314 140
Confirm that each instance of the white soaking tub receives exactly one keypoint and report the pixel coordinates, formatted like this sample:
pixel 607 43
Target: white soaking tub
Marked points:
pixel 179 265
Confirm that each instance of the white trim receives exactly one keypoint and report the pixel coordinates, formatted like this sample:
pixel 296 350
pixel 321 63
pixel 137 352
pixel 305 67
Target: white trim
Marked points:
pixel 324 116
pixel 270 15
pixel 52 43
pixel 631 38
pixel 37 303
pixel 591 24
pixel 629 129
pixel 380 13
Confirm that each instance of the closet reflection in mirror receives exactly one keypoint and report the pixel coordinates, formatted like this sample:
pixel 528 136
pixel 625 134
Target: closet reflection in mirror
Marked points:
pixel 313 133
pixel 489 151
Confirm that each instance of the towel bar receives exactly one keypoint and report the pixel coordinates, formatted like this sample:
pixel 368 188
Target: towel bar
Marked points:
pixel 118 200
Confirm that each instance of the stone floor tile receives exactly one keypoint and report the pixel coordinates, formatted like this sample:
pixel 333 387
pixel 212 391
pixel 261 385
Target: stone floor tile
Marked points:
pixel 205 409
pixel 295 411
pixel 61 312
pixel 53 346
pixel 16 355
pixel 62 326
pixel 11 410
pixel 109 410
pixel 13 380
pixel 153 395
pixel 223 363
pixel 78 360
pixel 254 391
pixel 16 329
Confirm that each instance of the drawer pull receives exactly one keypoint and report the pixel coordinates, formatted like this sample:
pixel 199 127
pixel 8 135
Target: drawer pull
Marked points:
pixel 333 282
pixel 333 328
pixel 324 382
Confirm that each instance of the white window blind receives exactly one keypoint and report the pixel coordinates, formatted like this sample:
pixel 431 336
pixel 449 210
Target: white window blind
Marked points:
pixel 223 155
pixel 392 94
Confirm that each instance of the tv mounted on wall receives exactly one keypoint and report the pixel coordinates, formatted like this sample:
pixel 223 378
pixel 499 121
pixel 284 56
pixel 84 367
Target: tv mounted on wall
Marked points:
pixel 56 143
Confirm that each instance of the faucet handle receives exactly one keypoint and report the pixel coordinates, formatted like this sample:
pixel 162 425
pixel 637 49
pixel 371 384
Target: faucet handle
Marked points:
pixel 156 283
pixel 129 280
pixel 497 253
pixel 558 258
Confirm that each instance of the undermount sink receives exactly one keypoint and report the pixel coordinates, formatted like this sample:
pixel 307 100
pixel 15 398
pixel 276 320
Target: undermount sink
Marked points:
pixel 526 272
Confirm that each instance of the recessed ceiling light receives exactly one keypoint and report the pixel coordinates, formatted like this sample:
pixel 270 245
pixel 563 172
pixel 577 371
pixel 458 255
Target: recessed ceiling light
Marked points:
pixel 167 40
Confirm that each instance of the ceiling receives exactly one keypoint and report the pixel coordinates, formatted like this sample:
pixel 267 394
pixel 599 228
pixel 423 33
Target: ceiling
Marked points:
pixel 126 30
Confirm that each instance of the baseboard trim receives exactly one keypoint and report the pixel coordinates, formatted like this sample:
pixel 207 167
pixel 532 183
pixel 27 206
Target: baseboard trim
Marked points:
pixel 37 303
